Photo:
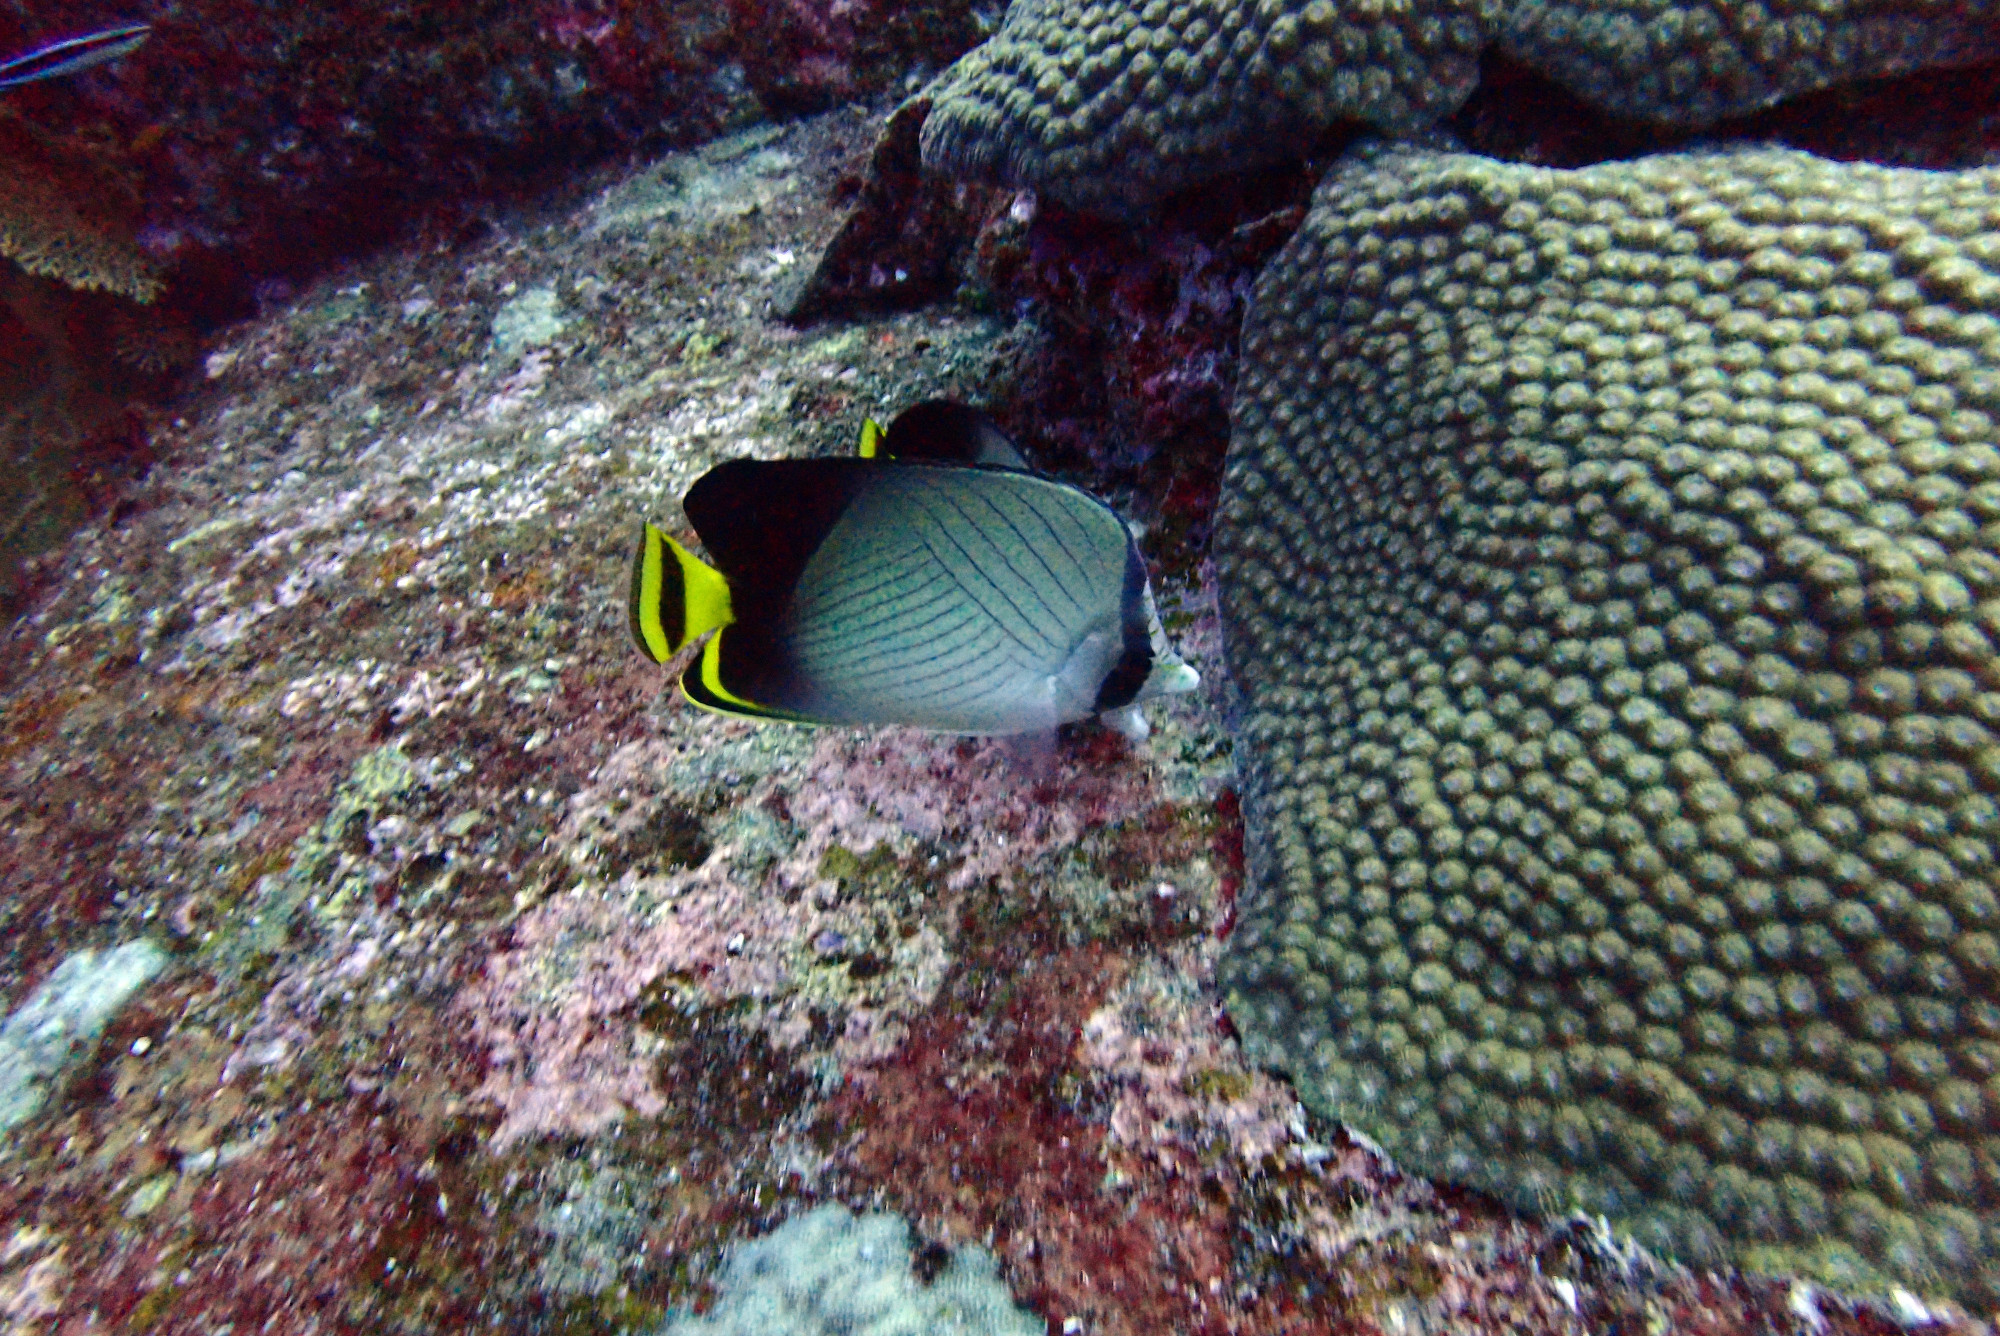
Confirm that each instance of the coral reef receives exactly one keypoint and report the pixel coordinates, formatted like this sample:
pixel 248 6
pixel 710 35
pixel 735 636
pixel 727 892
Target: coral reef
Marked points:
pixel 508 994
pixel 1112 107
pixel 1697 63
pixel 1605 563
pixel 830 1271
pixel 272 141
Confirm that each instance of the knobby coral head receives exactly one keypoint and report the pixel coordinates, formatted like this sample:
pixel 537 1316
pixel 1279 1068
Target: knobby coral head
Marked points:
pixel 1116 106
pixel 1607 560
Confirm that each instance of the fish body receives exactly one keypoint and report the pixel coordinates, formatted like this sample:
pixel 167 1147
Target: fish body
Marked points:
pixel 73 54
pixel 957 597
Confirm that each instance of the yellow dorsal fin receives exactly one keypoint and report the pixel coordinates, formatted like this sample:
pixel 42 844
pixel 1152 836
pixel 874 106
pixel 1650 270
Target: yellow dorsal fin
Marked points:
pixel 871 438
pixel 676 597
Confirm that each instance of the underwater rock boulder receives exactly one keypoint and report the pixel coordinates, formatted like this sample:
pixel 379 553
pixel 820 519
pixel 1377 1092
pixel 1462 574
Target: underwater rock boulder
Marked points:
pixel 57 1024
pixel 830 1272
pixel 1608 565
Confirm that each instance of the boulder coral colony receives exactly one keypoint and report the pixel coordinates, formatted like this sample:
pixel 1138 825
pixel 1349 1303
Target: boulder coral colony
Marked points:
pixel 1606 560
pixel 1606 585
pixel 1116 105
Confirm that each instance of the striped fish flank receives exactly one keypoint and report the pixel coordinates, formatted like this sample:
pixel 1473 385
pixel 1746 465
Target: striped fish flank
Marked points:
pixel 962 600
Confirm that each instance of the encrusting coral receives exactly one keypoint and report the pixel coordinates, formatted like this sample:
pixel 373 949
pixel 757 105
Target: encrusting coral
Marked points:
pixel 1608 564
pixel 1112 105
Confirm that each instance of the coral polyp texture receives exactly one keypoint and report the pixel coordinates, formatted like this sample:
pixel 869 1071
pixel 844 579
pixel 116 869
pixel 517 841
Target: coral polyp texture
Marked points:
pixel 1696 63
pixel 1112 106
pixel 67 215
pixel 1607 562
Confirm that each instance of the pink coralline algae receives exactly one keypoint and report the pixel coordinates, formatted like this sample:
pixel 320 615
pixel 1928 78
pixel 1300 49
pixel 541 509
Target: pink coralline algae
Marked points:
pixel 556 1007
pixel 999 804
pixel 1180 1091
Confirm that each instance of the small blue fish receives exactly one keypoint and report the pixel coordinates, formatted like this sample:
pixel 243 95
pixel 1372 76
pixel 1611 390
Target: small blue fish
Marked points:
pixel 73 54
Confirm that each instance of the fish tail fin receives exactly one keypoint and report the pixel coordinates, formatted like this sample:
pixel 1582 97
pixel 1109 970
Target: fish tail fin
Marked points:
pixel 677 598
pixel 871 438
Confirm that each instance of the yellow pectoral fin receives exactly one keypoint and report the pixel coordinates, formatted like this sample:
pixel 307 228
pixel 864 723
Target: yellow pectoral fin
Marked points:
pixel 871 438
pixel 676 597
pixel 707 595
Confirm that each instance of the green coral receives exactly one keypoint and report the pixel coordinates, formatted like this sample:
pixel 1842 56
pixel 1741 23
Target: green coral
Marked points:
pixel 1608 564
pixel 1113 104
pixel 1692 63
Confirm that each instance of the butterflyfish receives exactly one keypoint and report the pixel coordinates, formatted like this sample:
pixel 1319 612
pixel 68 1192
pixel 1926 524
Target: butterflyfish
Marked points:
pixel 912 583
pixel 73 54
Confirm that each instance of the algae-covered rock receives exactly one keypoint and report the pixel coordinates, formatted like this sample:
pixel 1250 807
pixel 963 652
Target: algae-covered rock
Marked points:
pixel 830 1271
pixel 1608 563
pixel 60 1020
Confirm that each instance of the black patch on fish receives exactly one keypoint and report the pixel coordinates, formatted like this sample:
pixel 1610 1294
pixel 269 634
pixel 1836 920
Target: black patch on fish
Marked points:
pixel 947 432
pixel 754 668
pixel 762 520
pixel 1135 663
pixel 693 689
